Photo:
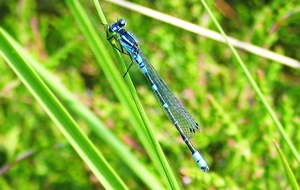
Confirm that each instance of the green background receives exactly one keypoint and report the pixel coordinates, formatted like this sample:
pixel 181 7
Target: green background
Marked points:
pixel 237 133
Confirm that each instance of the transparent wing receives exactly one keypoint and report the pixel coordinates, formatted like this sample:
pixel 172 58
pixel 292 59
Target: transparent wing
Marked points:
pixel 184 118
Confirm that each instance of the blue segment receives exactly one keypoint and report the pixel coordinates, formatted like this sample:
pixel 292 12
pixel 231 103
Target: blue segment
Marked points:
pixel 200 161
pixel 166 106
pixel 139 60
pixel 180 117
pixel 154 87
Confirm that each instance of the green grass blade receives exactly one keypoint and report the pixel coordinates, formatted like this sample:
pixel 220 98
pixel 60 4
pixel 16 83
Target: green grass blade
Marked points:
pixel 60 116
pixel 120 88
pixel 255 86
pixel 147 132
pixel 287 168
pixel 80 110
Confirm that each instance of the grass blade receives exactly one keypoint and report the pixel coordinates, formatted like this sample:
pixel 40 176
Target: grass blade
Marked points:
pixel 60 116
pixel 287 168
pixel 256 88
pixel 122 92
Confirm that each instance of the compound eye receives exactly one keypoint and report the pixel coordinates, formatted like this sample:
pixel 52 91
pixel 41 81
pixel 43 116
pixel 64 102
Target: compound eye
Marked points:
pixel 113 28
pixel 122 23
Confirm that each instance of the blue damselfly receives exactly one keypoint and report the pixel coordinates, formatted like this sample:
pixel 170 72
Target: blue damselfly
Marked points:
pixel 179 116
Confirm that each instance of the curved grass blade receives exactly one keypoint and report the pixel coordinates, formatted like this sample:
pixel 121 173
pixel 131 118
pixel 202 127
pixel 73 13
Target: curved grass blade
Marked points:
pixel 121 151
pixel 97 163
pixel 256 88
pixel 287 168
pixel 115 78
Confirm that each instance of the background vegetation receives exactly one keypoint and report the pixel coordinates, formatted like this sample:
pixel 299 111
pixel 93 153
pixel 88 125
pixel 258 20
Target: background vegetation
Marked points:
pixel 237 133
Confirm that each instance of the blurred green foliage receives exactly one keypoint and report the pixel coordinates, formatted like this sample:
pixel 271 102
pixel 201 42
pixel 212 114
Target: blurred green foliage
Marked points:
pixel 236 134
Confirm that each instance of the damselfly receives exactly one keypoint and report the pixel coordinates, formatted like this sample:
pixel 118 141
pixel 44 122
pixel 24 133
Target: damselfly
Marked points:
pixel 180 117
